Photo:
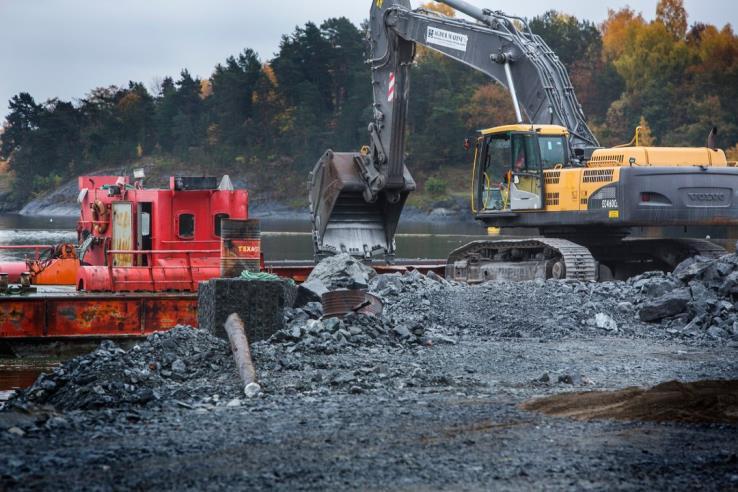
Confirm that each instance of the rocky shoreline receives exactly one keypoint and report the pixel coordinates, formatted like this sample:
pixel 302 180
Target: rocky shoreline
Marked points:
pixel 62 202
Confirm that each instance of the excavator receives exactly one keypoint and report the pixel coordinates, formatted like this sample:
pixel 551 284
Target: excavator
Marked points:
pixel 547 171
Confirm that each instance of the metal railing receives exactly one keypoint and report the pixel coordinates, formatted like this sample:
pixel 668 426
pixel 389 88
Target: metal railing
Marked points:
pixel 150 254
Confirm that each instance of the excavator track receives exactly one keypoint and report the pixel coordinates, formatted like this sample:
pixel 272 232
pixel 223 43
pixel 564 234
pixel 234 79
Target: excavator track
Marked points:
pixel 521 259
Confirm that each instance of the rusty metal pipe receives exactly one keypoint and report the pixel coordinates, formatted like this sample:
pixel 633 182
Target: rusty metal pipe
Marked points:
pixel 242 354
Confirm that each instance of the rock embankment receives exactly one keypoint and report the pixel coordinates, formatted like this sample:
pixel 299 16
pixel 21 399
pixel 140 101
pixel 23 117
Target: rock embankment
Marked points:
pixel 698 298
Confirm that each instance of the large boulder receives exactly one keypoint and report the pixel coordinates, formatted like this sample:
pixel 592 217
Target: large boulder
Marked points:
pixel 729 285
pixel 342 272
pixel 691 268
pixel 704 300
pixel 380 283
pixel 310 291
pixel 710 271
pixel 670 304
pixel 655 284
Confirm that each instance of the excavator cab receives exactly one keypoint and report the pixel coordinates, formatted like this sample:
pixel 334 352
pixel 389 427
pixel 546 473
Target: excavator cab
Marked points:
pixel 509 164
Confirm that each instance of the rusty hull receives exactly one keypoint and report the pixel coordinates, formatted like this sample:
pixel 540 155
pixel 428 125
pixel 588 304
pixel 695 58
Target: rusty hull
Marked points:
pixel 73 316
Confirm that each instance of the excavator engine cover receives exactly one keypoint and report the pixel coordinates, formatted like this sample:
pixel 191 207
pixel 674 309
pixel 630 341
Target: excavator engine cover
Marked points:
pixel 343 220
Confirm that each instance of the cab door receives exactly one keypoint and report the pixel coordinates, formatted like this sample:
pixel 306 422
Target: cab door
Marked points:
pixel 526 175
pixel 493 159
pixel 122 235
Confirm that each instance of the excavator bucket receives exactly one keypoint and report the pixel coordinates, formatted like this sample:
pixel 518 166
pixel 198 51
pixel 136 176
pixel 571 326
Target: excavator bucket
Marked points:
pixel 343 221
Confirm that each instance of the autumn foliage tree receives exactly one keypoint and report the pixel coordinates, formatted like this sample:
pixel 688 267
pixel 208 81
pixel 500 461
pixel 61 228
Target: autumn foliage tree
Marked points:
pixel 278 116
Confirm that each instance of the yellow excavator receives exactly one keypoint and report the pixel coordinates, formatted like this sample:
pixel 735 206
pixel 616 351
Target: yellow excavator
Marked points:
pixel 547 171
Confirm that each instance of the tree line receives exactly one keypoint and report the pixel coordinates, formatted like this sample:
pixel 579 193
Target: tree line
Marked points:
pixel 676 81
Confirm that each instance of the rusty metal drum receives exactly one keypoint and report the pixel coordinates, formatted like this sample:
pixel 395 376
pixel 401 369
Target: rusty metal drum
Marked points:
pixel 339 303
pixel 240 247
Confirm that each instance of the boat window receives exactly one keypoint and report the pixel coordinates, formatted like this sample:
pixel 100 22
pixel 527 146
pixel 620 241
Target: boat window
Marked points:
pixel 218 225
pixel 186 226
pixel 145 224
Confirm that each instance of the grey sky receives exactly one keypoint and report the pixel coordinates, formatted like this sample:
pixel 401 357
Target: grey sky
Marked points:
pixel 64 48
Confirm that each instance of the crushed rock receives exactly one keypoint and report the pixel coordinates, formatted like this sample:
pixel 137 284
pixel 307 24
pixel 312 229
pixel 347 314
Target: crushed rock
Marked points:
pixel 421 312
pixel 172 365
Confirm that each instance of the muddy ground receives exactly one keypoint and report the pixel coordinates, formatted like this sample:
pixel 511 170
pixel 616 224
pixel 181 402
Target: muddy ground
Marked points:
pixel 427 397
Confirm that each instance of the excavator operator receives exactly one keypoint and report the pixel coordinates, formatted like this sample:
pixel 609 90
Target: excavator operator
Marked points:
pixel 519 166
pixel 520 179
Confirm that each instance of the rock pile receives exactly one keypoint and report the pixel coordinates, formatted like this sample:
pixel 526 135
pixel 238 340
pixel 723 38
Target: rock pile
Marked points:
pixel 181 364
pixel 335 272
pixel 420 311
pixel 306 332
pixel 698 297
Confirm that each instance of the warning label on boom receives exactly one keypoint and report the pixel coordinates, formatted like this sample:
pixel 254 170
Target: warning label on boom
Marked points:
pixel 447 38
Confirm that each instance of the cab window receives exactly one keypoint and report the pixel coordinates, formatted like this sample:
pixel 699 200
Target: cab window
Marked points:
pixel 497 155
pixel 498 158
pixel 553 151
pixel 524 153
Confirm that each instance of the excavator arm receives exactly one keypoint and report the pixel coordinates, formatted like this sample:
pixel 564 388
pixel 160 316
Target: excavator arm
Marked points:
pixel 356 198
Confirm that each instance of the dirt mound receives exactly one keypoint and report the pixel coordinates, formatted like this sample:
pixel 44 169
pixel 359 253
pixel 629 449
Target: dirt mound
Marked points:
pixel 699 402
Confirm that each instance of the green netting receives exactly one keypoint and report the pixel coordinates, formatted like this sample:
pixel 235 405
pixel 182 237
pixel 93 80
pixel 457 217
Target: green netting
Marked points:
pixel 261 276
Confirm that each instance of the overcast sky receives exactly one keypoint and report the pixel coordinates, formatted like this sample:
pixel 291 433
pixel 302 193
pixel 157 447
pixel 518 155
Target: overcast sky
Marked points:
pixel 64 48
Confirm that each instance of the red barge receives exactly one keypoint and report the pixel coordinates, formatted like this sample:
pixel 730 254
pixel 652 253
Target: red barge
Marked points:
pixel 136 266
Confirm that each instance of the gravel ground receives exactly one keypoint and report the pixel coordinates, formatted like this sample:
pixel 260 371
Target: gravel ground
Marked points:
pixel 425 397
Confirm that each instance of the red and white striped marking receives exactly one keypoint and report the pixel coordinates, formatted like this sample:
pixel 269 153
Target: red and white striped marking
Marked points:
pixel 391 90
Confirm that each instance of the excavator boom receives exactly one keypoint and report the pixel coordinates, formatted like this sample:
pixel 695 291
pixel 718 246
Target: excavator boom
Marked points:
pixel 356 198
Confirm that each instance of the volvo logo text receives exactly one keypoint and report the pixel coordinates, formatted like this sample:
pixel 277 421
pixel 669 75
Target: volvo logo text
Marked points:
pixel 707 197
